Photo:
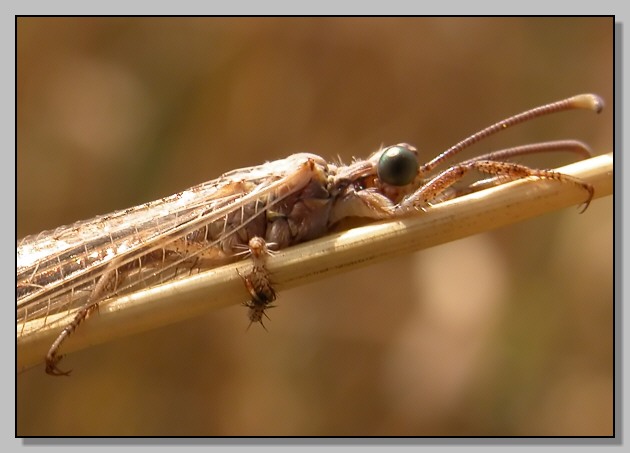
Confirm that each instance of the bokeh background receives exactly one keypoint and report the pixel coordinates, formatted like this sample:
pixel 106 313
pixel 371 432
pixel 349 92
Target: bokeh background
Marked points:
pixel 504 333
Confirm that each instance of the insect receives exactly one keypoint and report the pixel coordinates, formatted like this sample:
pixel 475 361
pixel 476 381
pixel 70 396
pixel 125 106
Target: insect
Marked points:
pixel 257 281
pixel 245 213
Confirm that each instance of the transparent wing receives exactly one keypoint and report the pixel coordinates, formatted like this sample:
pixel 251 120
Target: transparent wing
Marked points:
pixel 57 269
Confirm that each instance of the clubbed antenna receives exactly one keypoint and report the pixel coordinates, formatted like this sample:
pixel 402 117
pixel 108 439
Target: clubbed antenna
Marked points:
pixel 581 101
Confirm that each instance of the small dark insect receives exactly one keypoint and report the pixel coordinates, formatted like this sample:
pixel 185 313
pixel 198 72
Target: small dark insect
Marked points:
pixel 257 282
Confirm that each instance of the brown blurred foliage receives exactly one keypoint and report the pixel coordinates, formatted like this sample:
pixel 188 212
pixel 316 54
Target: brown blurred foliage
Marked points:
pixel 505 333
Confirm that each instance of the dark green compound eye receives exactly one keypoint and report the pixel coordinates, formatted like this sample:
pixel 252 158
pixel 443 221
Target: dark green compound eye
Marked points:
pixel 398 165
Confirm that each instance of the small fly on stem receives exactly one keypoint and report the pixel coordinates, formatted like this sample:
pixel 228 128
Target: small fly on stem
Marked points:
pixel 72 270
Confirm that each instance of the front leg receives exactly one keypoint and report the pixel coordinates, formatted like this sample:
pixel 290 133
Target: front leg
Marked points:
pixel 504 170
pixel 366 203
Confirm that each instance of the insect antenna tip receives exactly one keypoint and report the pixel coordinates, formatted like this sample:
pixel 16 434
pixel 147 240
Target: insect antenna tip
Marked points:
pixel 588 101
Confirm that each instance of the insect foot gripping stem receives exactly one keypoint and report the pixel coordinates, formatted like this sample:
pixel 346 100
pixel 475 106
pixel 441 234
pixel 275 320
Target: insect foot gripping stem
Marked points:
pixel 257 282
pixel 505 171
pixel 106 284
pixel 52 358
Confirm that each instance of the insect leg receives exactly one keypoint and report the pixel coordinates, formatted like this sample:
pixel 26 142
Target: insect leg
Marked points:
pixel 573 146
pixel 504 170
pixel 106 285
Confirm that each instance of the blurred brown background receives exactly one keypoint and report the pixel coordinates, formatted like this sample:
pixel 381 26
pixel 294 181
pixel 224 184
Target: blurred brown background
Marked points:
pixel 505 333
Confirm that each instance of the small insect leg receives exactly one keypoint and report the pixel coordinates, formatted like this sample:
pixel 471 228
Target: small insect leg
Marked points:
pixel 257 282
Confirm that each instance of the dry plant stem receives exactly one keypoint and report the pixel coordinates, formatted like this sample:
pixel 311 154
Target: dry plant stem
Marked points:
pixel 335 253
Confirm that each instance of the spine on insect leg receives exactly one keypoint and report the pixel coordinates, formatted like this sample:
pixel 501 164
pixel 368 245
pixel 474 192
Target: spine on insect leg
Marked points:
pixel 257 282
